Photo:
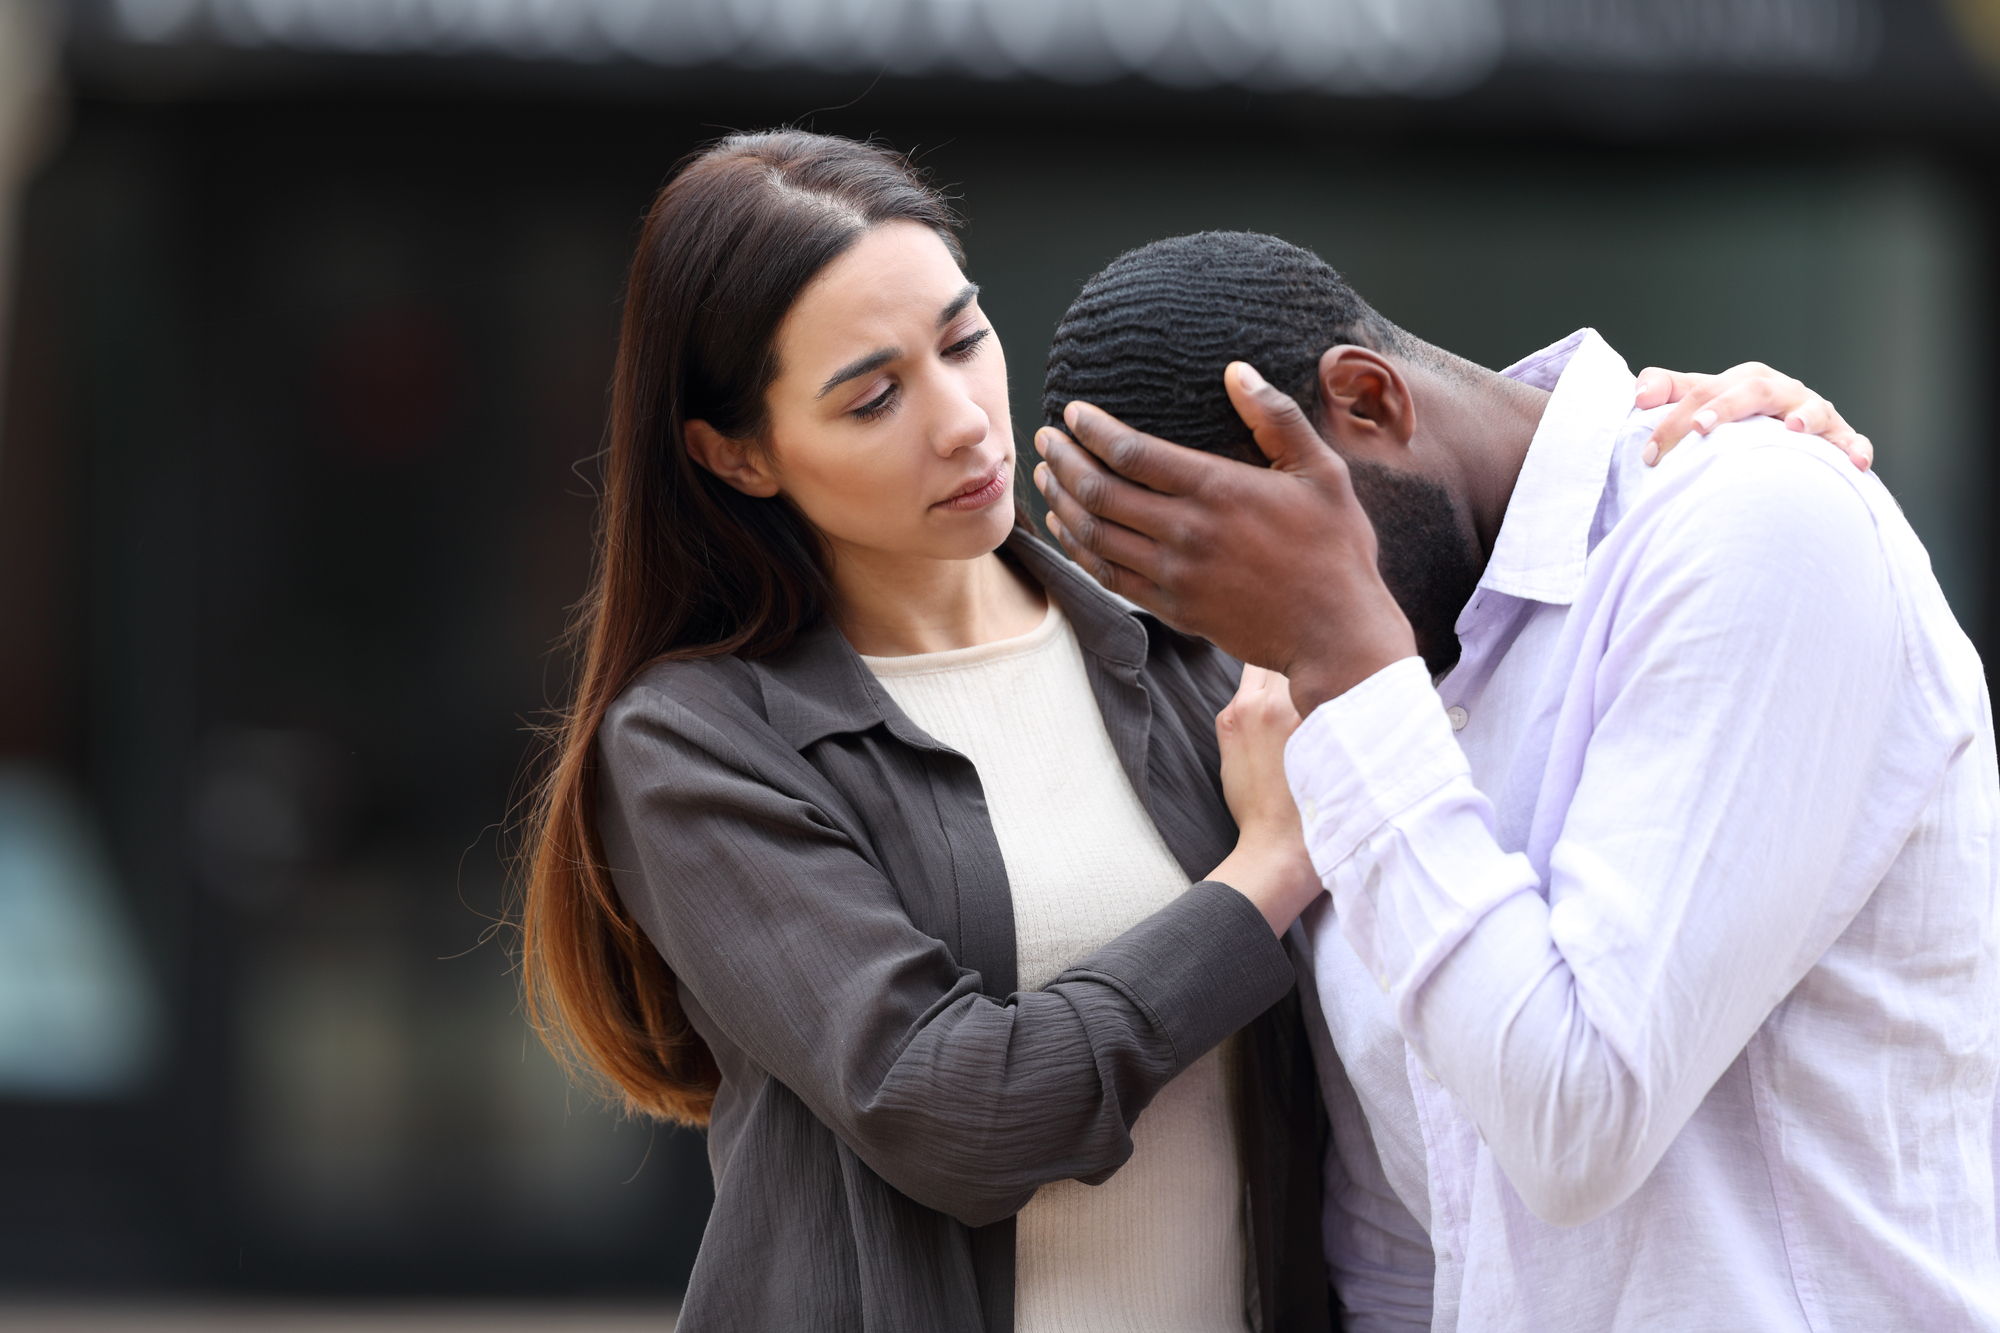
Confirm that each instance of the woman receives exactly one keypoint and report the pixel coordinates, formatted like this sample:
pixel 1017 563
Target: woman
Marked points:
pixel 871 831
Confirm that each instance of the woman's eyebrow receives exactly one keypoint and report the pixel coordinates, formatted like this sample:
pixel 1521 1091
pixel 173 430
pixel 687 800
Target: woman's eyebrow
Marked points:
pixel 854 370
pixel 958 304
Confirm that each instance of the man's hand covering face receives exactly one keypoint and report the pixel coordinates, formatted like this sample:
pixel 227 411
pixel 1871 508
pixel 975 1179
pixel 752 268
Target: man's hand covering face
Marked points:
pixel 1275 566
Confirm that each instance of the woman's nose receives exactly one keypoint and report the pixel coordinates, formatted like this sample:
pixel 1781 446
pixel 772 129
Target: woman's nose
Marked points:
pixel 960 422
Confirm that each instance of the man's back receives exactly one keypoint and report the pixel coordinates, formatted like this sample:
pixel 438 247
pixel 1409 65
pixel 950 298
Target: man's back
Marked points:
pixel 1727 923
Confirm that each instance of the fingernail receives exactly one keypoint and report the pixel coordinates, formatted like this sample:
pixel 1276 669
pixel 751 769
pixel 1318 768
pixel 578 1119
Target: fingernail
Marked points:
pixel 1247 376
pixel 1069 415
pixel 1041 478
pixel 1704 421
pixel 1652 454
pixel 1042 439
pixel 1795 422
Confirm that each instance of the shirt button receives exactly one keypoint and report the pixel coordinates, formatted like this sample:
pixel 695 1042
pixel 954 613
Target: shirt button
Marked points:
pixel 1458 717
pixel 1310 810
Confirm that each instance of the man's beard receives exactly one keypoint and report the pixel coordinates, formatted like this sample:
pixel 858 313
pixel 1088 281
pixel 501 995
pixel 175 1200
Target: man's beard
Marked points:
pixel 1423 553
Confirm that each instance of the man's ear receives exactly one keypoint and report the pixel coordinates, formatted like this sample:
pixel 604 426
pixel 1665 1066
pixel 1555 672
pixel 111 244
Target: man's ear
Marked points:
pixel 1365 402
pixel 735 461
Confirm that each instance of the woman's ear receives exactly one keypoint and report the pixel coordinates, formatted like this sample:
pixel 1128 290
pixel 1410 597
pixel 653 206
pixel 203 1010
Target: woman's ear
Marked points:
pixel 735 461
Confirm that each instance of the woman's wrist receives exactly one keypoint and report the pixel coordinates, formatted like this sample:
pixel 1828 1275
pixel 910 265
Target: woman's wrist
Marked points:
pixel 1274 873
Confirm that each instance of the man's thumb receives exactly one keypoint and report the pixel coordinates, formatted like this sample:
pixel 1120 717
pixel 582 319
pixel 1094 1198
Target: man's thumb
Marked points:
pixel 1275 420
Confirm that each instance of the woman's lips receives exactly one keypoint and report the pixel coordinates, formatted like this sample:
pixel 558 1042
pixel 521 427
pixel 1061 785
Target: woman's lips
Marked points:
pixel 980 493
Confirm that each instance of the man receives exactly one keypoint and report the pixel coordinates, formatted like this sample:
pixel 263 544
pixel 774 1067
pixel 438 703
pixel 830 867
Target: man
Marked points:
pixel 1657 808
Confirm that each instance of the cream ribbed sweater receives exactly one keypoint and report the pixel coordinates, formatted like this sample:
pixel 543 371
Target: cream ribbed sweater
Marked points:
pixel 1159 1247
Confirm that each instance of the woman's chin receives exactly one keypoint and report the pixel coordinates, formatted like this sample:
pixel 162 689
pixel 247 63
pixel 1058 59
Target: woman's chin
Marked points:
pixel 959 535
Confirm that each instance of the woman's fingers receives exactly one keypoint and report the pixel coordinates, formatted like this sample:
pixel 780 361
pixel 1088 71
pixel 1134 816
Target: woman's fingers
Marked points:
pixel 1251 681
pixel 1263 701
pixel 1658 386
pixel 1750 389
pixel 1819 417
pixel 1703 402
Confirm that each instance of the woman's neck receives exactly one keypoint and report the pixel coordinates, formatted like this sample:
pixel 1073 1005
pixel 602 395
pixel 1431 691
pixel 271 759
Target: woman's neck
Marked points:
pixel 899 606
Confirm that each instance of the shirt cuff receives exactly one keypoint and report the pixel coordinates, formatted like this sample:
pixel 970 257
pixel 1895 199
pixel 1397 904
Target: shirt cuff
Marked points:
pixel 1367 755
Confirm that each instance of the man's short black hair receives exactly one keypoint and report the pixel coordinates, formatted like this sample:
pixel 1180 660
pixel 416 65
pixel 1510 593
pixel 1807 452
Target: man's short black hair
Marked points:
pixel 1148 338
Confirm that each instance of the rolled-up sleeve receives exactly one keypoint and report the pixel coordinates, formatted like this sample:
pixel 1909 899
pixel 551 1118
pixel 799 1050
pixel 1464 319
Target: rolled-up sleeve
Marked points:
pixel 798 948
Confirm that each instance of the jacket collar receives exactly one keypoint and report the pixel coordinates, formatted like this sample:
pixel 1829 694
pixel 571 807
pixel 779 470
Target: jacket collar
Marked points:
pixel 821 687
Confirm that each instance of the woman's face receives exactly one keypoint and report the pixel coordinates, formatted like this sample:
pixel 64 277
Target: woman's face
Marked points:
pixel 888 419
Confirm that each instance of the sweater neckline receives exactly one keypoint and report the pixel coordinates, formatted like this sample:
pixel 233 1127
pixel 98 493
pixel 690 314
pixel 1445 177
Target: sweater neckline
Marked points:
pixel 981 654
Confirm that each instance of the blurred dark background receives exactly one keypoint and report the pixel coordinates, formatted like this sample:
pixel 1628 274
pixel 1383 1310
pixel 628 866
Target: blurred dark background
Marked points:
pixel 312 309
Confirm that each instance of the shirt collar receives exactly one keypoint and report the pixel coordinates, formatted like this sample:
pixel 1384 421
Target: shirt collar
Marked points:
pixel 1545 536
pixel 820 687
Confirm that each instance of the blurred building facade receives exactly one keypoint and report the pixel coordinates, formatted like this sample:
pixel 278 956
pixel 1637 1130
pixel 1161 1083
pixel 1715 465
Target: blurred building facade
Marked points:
pixel 314 303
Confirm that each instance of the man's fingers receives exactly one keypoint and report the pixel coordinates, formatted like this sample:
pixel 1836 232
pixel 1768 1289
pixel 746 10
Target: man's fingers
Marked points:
pixel 1099 489
pixel 1110 542
pixel 1154 463
pixel 1275 419
pixel 1115 577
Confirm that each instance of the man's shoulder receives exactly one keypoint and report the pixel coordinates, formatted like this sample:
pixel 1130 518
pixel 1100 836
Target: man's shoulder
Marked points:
pixel 1756 488
pixel 1778 515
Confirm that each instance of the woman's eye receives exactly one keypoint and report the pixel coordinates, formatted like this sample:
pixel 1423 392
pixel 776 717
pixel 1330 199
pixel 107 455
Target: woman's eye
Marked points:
pixel 966 346
pixel 877 405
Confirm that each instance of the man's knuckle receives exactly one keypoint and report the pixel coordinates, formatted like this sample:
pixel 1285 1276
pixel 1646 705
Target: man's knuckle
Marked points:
pixel 1090 491
pixel 1122 450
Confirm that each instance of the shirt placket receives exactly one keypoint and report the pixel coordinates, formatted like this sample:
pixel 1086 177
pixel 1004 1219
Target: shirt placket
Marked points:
pixel 1451 1140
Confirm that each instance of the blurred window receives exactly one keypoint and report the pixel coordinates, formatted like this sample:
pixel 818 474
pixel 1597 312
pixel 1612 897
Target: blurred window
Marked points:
pixel 78 1017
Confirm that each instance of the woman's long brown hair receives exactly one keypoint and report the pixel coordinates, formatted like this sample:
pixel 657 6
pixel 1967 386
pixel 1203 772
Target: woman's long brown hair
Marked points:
pixel 686 567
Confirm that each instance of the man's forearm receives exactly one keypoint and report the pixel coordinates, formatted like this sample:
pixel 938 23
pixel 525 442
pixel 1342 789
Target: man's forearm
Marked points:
pixel 1579 1045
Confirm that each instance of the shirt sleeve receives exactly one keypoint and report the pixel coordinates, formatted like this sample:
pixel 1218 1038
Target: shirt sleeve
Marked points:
pixel 799 949
pixel 1740 656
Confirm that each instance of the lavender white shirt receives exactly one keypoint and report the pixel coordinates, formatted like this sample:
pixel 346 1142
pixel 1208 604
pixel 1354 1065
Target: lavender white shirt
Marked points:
pixel 1680 890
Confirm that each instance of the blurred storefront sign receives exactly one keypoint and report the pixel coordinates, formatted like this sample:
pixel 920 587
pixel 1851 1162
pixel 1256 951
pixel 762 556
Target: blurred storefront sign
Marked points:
pixel 1350 46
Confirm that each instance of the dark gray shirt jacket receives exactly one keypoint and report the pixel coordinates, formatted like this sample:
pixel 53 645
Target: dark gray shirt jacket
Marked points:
pixel 822 877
